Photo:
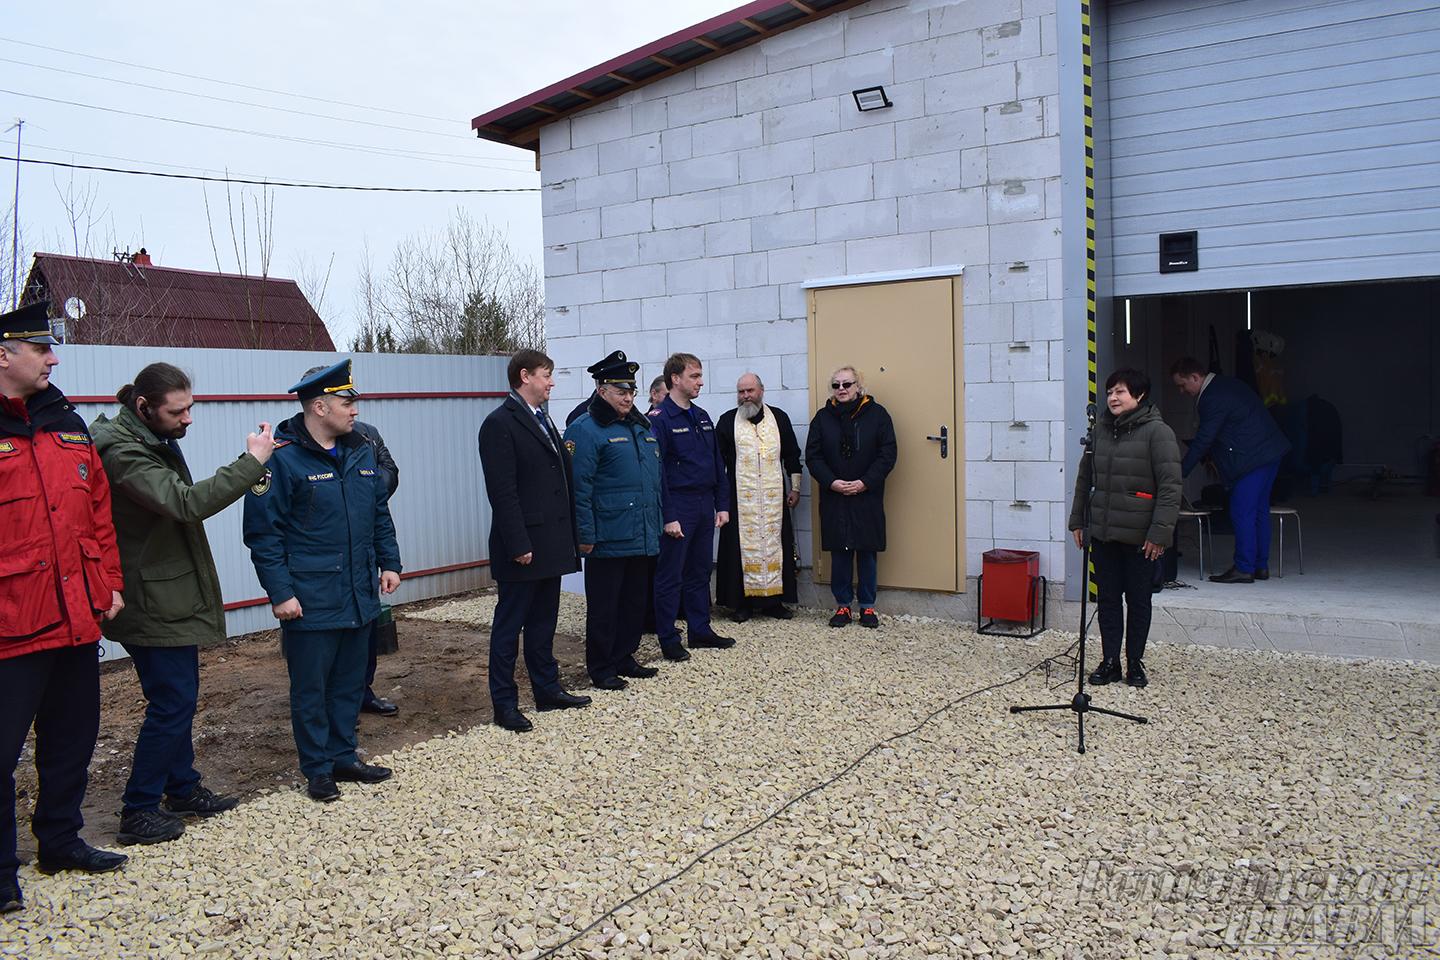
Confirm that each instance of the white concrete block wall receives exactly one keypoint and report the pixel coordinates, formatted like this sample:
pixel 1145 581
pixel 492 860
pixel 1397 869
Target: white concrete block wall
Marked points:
pixel 685 215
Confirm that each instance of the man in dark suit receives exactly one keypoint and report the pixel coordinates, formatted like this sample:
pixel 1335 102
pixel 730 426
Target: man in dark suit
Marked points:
pixel 1246 446
pixel 533 540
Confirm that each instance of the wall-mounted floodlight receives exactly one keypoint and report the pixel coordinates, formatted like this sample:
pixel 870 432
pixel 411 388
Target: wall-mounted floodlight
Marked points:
pixel 871 98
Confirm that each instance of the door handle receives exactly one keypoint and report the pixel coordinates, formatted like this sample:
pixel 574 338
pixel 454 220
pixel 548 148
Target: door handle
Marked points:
pixel 944 441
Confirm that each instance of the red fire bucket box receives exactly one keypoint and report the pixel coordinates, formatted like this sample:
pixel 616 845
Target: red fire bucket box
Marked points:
pixel 1012 589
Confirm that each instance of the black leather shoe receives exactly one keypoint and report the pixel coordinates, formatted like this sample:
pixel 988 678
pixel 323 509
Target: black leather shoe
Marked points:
pixel 561 701
pixel 1262 574
pixel 1135 676
pixel 635 670
pixel 202 802
pixel 361 772
pixel 675 652
pixel 148 826
pixel 379 706
pixel 711 641
pixel 84 858
pixel 741 614
pixel 513 720
pixel 609 683
pixel 1233 576
pixel 1107 672
pixel 10 897
pixel 779 611
pixel 322 788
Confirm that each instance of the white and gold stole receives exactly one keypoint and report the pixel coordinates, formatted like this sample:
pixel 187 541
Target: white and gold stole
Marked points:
pixel 760 504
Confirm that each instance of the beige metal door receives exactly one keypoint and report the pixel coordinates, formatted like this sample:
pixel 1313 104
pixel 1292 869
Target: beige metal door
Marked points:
pixel 905 337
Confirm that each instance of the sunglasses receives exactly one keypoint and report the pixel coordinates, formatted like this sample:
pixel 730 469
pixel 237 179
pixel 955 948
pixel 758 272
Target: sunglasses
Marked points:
pixel 841 384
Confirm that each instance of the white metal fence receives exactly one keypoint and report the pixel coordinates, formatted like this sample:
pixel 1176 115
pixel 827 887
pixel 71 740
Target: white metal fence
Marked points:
pixel 428 408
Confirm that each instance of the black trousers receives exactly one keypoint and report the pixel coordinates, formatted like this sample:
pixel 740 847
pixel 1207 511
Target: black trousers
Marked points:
pixel 58 691
pixel 532 606
pixel 615 591
pixel 1121 571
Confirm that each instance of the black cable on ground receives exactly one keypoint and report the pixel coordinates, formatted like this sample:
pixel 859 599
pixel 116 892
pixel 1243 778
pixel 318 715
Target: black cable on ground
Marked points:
pixel 771 817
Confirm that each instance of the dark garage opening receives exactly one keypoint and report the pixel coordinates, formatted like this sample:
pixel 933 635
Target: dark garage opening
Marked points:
pixel 1349 372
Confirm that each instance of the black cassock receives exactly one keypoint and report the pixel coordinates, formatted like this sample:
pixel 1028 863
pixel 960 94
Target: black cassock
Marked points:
pixel 729 578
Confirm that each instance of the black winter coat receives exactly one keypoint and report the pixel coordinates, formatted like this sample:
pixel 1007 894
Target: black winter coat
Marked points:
pixel 860 446
pixel 529 481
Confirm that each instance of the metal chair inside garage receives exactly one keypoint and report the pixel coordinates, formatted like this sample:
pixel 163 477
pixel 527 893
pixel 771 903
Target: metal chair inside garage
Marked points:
pixel 1285 515
pixel 1203 529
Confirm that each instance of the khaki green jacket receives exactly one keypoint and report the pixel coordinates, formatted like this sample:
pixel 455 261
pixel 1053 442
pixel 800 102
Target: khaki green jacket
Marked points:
pixel 1136 465
pixel 172 591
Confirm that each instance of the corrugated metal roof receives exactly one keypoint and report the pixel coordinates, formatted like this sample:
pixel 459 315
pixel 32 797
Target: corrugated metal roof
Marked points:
pixel 518 123
pixel 149 306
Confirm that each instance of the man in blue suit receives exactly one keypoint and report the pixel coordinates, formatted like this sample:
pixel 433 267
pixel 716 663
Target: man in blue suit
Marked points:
pixel 1246 445
pixel 320 535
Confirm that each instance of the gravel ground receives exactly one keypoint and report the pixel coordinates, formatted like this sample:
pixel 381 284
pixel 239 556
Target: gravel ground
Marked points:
pixel 982 835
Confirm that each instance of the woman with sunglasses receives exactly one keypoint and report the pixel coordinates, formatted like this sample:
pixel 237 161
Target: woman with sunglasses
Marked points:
pixel 851 450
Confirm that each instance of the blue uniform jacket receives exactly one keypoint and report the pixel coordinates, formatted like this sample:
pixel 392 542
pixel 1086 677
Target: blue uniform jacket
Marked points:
pixel 319 529
pixel 617 481
pixel 1236 430
pixel 690 463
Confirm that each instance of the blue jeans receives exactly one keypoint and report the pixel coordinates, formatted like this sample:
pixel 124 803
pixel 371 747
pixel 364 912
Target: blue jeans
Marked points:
pixel 1250 512
pixel 164 750
pixel 843 564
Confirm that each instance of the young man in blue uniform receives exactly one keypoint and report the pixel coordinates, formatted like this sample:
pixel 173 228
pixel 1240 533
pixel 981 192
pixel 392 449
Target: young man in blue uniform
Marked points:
pixel 695 502
pixel 617 514
pixel 319 531
pixel 533 542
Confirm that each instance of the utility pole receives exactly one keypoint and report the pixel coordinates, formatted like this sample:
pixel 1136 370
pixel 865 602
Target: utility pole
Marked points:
pixel 19 128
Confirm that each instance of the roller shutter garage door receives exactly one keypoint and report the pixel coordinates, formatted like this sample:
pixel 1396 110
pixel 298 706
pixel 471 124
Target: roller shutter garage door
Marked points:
pixel 1301 139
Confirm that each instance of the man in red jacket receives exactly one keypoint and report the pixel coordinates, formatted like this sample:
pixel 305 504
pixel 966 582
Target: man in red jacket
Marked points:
pixel 59 577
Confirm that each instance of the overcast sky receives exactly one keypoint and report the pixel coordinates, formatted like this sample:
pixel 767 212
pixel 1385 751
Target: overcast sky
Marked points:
pixel 435 64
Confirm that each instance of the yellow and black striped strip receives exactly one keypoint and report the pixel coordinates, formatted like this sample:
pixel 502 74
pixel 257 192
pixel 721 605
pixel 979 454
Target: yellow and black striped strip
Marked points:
pixel 1092 394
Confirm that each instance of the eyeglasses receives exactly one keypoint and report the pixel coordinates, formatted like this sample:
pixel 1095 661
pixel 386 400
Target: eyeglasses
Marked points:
pixel 841 384
pixel 629 391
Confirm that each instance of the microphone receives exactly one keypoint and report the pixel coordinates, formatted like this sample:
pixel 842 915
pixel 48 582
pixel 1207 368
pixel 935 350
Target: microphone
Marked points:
pixel 1090 412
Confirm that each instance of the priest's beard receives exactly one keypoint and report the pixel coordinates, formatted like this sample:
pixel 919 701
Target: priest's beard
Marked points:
pixel 748 410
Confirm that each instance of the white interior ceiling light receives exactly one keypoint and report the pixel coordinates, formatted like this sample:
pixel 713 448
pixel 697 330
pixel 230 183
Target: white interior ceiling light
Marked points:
pixel 1247 310
pixel 871 98
pixel 1127 321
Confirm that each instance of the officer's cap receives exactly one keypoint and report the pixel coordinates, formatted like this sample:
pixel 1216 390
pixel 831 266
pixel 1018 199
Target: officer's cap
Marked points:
pixel 30 323
pixel 333 381
pixel 616 356
pixel 615 369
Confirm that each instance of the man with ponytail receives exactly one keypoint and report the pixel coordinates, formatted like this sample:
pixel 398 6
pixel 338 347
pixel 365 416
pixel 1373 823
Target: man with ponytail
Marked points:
pixel 59 577
pixel 172 588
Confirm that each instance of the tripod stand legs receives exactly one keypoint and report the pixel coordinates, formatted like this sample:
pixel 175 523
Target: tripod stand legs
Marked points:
pixel 1080 705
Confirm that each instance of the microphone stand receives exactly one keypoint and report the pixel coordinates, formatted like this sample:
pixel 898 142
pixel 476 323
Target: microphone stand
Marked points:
pixel 1080 703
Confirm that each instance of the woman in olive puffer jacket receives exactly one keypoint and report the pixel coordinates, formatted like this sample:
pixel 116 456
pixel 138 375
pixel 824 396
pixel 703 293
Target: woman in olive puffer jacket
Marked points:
pixel 1135 465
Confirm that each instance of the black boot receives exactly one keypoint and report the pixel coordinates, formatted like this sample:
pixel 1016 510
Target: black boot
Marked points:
pixel 1135 676
pixel 1107 672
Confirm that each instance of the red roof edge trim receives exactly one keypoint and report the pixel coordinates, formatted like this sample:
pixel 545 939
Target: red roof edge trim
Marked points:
pixel 679 36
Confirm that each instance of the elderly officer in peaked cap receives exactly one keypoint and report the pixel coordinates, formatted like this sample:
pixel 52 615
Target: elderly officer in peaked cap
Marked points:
pixel 611 362
pixel 62 578
pixel 617 514
pixel 319 531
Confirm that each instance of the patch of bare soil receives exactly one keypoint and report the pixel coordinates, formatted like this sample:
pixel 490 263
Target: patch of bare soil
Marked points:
pixel 243 743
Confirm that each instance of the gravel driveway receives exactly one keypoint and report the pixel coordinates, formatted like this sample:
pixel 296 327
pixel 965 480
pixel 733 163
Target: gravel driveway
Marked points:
pixel 1261 779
